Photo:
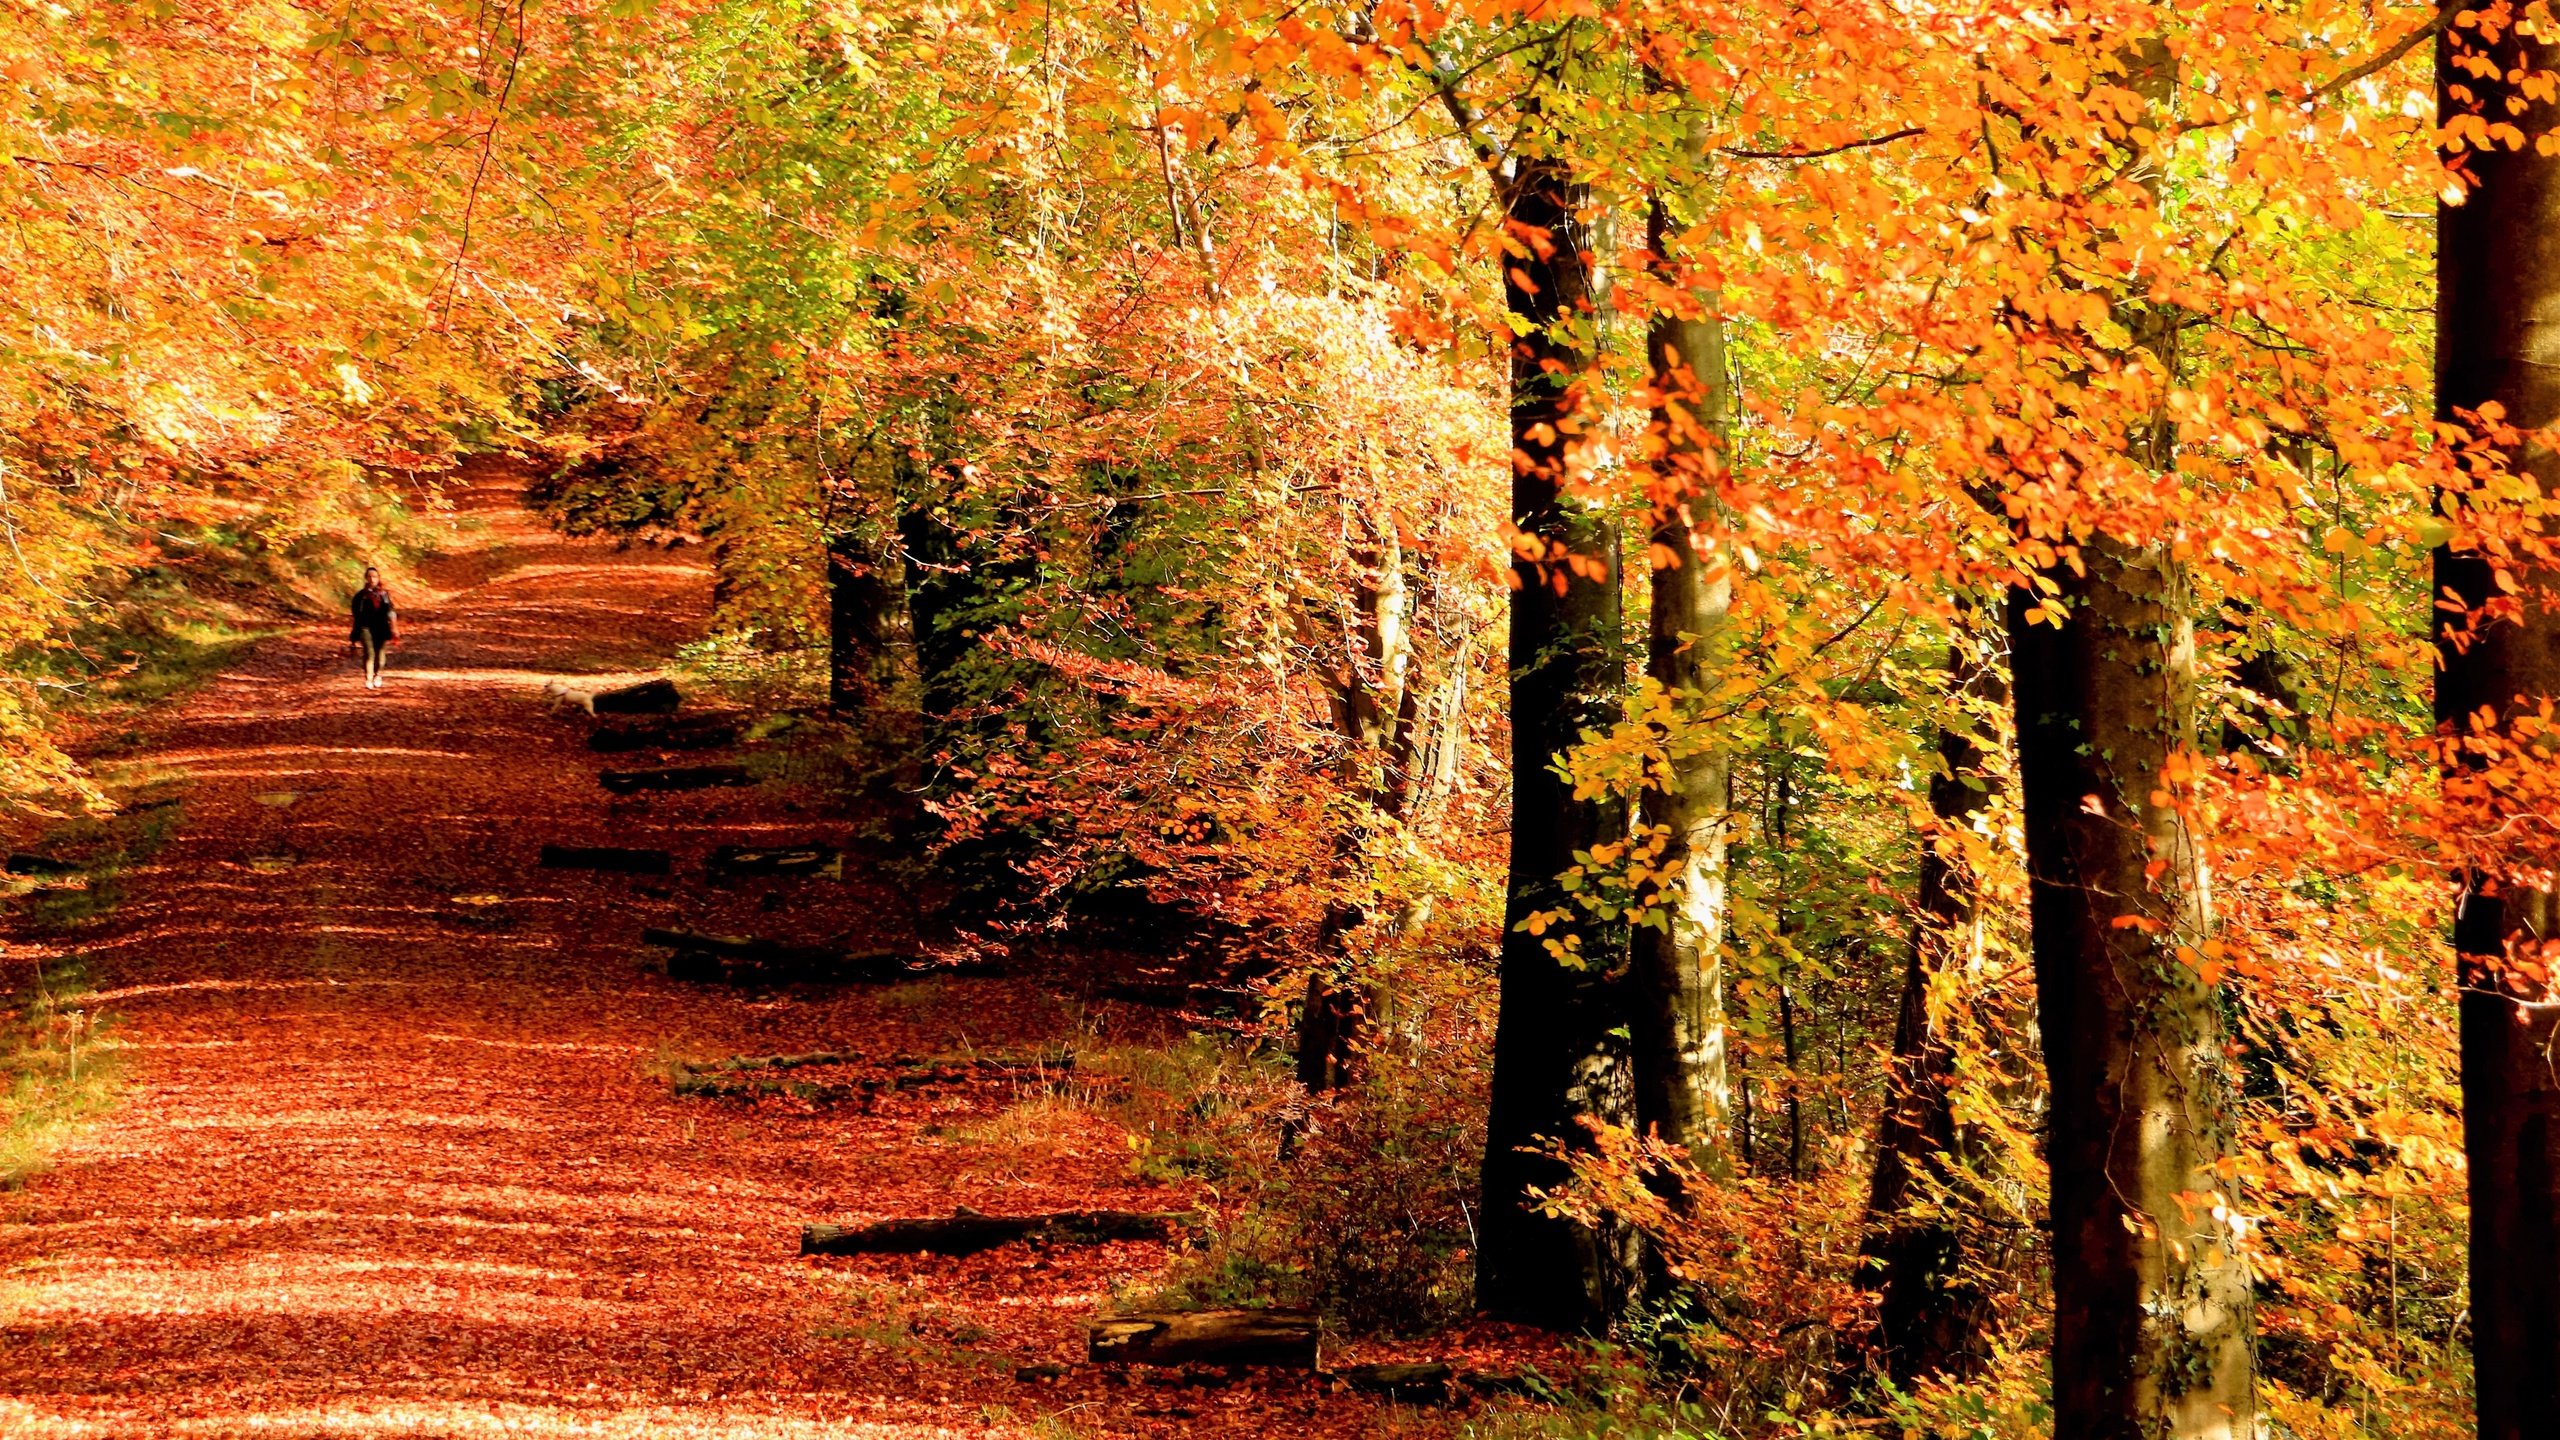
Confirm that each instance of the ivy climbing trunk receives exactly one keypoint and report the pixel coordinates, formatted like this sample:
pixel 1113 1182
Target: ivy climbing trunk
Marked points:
pixel 2498 341
pixel 1559 1050
pixel 1676 1019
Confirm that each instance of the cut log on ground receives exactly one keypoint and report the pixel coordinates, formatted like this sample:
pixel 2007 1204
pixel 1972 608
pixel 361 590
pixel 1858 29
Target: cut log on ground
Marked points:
pixel 42 866
pixel 747 950
pixel 717 1087
pixel 984 1064
pixel 747 959
pixel 692 732
pixel 1420 1382
pixel 735 860
pixel 1179 995
pixel 750 1077
pixel 607 857
pixel 675 777
pixel 781 1062
pixel 966 1232
pixel 1205 1337
pixel 1508 1382
pixel 649 697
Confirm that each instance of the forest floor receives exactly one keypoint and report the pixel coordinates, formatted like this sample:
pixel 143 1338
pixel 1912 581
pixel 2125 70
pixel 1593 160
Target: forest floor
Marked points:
pixel 396 1152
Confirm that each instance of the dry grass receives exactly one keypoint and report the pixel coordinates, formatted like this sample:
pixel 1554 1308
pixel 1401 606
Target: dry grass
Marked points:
pixel 59 1068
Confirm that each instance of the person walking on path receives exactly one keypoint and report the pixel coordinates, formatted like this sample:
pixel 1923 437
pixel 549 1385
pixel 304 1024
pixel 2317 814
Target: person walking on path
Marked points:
pixel 372 625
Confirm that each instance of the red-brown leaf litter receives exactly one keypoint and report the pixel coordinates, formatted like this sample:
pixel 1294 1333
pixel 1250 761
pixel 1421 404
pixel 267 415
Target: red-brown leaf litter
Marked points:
pixel 396 1159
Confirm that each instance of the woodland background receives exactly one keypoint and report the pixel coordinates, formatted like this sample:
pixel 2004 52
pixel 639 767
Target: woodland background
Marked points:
pixel 1636 517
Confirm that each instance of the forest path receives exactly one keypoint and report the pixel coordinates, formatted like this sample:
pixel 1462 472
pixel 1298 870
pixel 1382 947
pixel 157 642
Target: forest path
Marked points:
pixel 393 1164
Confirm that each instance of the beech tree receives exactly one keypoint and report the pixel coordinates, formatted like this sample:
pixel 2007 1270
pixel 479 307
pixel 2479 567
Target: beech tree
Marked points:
pixel 1560 1056
pixel 1675 993
pixel 2152 1331
pixel 2498 284
pixel 1925 1235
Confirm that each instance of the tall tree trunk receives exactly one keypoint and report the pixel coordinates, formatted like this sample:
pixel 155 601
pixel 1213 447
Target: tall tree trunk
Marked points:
pixel 2151 1296
pixel 1372 713
pixel 1676 1019
pixel 1795 1080
pixel 866 612
pixel 942 594
pixel 2152 1335
pixel 1932 1313
pixel 2497 316
pixel 1559 1050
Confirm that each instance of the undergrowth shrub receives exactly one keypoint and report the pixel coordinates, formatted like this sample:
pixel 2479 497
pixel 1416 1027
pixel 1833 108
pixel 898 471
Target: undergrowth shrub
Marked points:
pixel 58 1065
pixel 1382 1196
pixel 755 670
pixel 1764 1292
pixel 1369 1218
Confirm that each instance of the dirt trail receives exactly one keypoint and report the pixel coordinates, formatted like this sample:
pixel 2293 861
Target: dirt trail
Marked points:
pixel 391 1164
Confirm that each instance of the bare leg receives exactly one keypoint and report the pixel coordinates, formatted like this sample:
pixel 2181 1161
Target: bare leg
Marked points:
pixel 374 652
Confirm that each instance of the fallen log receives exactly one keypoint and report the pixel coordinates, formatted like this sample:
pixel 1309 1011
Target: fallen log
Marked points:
pixel 695 732
pixel 1508 1382
pixel 781 1062
pixel 675 777
pixel 712 1087
pixel 719 1080
pixel 715 1086
pixel 1001 1064
pixel 607 857
pixel 736 959
pixel 649 697
pixel 742 949
pixel 1424 1382
pixel 1208 1337
pixel 966 1232
pixel 42 866
pixel 734 860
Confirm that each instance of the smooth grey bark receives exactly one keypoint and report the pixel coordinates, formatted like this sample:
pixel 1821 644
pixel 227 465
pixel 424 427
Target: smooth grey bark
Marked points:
pixel 2152 1310
pixel 2153 1323
pixel 1676 1014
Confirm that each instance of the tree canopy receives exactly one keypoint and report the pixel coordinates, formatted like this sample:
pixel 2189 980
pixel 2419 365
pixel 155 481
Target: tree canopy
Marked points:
pixel 1120 413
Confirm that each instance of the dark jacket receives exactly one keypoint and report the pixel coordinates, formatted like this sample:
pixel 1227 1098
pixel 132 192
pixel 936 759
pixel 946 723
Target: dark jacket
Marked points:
pixel 372 615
